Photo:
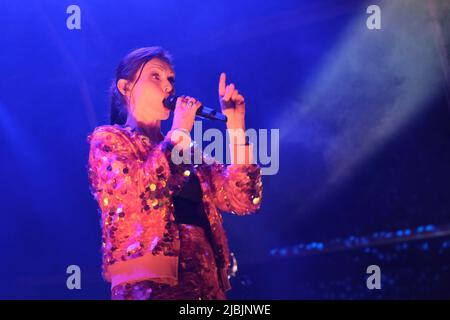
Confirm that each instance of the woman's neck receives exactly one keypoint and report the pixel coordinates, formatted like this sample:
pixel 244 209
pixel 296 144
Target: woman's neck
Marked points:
pixel 151 129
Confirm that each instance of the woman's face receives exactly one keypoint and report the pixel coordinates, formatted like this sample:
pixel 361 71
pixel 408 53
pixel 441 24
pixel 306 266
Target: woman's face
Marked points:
pixel 145 96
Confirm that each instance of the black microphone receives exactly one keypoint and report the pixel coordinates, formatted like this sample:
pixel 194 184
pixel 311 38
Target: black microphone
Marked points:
pixel 203 112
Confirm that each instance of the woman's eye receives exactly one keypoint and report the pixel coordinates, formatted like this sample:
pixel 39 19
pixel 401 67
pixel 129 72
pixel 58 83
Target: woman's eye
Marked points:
pixel 155 76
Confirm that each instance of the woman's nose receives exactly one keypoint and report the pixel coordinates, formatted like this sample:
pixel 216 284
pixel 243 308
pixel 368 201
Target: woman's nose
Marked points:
pixel 168 88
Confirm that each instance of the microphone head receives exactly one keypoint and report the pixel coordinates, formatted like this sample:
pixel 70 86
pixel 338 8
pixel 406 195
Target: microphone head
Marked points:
pixel 170 102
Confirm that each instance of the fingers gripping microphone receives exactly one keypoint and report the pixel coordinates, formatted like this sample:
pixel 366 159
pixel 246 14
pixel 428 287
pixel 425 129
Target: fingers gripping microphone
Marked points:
pixel 203 112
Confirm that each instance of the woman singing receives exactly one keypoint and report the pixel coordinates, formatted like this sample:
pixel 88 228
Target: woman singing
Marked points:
pixel 162 233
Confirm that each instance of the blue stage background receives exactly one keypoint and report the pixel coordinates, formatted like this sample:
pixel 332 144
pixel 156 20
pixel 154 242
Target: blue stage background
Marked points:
pixel 364 173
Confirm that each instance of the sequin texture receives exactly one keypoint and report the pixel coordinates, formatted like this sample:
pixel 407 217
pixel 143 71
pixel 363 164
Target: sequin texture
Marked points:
pixel 197 269
pixel 133 182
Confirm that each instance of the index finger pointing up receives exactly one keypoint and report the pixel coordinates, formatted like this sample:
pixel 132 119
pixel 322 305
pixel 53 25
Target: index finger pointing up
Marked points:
pixel 222 81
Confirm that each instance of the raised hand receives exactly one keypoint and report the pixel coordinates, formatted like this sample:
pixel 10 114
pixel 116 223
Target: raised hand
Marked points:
pixel 232 104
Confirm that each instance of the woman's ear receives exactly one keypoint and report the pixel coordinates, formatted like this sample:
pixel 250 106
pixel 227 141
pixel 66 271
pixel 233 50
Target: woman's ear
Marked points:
pixel 123 86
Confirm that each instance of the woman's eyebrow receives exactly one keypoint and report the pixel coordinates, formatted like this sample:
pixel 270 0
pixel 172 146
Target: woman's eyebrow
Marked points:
pixel 171 75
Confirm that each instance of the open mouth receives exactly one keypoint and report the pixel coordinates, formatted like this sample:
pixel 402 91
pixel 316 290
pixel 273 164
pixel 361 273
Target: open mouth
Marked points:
pixel 169 102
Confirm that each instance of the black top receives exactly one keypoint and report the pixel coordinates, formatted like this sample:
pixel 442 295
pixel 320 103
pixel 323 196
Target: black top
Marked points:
pixel 188 204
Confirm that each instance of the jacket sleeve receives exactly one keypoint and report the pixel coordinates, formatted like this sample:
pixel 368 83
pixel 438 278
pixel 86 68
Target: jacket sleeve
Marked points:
pixel 237 188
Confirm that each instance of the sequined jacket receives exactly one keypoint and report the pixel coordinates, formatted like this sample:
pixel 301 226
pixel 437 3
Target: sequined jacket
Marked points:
pixel 133 182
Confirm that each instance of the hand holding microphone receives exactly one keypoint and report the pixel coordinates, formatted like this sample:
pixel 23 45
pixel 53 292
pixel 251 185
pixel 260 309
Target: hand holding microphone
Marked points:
pixel 185 109
pixel 203 112
pixel 184 112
